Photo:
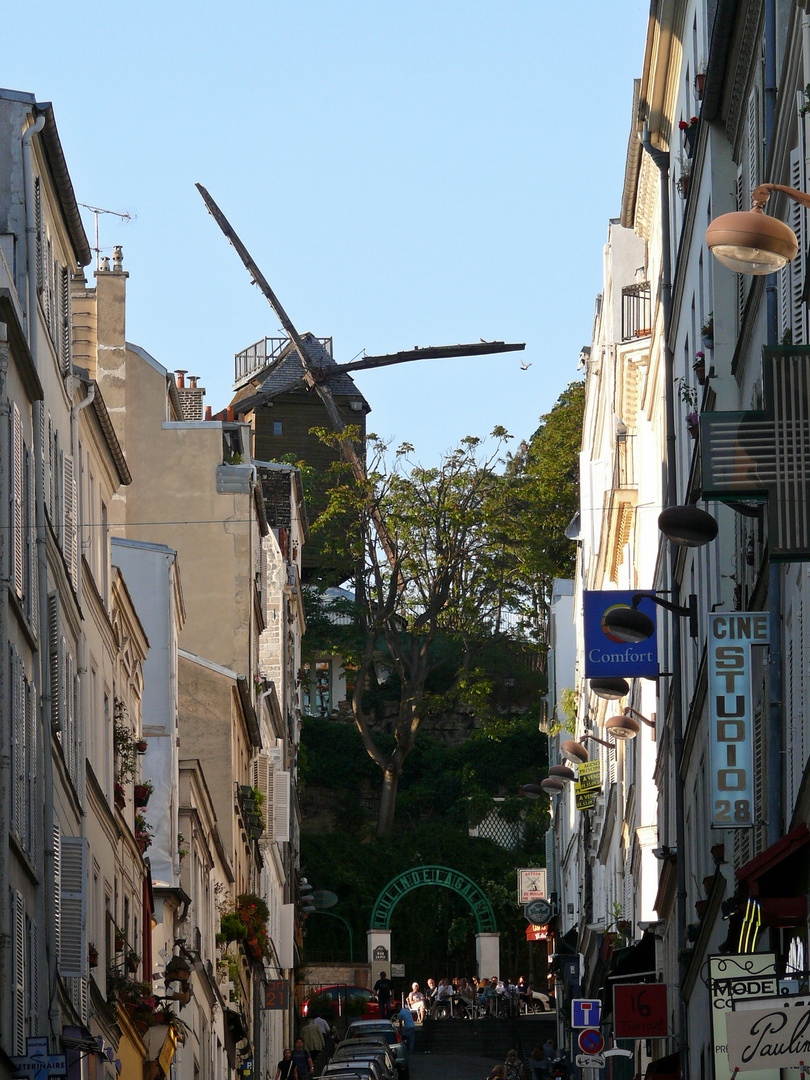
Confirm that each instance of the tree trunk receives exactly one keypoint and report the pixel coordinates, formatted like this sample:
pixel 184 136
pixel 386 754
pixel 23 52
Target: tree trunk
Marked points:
pixel 388 800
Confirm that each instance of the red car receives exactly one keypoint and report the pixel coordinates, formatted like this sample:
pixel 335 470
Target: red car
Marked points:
pixel 362 1002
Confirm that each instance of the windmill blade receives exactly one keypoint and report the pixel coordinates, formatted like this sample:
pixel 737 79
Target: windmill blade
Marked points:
pixel 317 384
pixel 433 352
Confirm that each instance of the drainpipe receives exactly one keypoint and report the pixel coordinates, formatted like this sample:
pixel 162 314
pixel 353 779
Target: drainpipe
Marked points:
pixel 660 159
pixel 5 681
pixel 82 657
pixel 775 809
pixel 46 898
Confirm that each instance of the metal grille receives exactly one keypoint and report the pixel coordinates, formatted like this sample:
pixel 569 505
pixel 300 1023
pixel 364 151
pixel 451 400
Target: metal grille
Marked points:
pixel 636 311
pixel 263 353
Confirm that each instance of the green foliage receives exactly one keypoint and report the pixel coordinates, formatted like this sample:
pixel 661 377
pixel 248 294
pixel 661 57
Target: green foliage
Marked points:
pixel 568 707
pixel 232 928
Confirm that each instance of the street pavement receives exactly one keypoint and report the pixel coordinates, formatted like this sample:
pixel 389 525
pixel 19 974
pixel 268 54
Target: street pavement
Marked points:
pixel 452 1066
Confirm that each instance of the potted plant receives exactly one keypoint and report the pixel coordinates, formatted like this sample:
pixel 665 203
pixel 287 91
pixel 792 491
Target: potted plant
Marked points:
pixel 142 792
pixel 119 939
pixel 182 850
pixel 141 745
pixel 685 177
pixel 133 960
pixel 700 80
pixel 688 395
pixel 119 796
pixel 123 744
pixel 689 128
pixel 92 954
pixel 707 331
pixel 143 832
pixel 699 367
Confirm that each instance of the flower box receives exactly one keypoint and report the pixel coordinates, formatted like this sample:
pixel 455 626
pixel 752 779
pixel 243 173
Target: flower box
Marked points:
pixel 141 794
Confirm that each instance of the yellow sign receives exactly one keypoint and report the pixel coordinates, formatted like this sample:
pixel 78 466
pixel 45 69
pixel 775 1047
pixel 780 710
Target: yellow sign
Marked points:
pixel 588 785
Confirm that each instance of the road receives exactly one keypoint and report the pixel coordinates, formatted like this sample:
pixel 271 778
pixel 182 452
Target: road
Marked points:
pixel 451 1066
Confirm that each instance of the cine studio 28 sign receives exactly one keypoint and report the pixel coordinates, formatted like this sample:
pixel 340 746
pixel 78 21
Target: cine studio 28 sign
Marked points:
pixel 732 636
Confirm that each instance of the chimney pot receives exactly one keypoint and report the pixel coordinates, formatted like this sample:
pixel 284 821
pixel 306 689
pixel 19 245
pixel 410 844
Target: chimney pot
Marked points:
pixel 180 373
pixel 192 381
pixel 229 415
pixel 207 412
pixel 118 257
pixel 105 264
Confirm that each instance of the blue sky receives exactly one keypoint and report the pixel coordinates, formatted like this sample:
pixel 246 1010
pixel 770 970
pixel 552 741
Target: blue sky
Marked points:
pixel 416 173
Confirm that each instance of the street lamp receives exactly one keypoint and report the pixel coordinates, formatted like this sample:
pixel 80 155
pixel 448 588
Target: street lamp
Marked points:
pixel 687 526
pixel 610 688
pixel 624 726
pixel 631 625
pixel 749 241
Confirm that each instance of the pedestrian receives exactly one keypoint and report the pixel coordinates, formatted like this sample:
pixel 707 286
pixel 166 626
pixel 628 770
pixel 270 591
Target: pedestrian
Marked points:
pixel 537 1065
pixel 286 1067
pixel 313 1041
pixel 407 1027
pixel 303 1060
pixel 383 988
pixel 514 1067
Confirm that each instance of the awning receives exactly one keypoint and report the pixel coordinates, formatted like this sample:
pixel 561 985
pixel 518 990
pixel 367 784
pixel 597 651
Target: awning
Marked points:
pixel 637 959
pixel 665 1068
pixel 754 874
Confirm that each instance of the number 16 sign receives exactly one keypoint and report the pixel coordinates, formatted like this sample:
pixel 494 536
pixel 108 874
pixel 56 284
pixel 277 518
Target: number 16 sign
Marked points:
pixel 640 1011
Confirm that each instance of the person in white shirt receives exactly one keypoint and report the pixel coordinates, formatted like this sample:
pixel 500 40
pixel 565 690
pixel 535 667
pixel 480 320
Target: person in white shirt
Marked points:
pixel 416 1002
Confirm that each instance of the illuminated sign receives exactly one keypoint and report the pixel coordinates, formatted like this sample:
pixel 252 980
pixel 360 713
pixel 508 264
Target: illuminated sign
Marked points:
pixel 605 655
pixel 731 637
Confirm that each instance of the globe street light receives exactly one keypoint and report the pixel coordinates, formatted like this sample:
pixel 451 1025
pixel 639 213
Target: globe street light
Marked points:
pixel 749 241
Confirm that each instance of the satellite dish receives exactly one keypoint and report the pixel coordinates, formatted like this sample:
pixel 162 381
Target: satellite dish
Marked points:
pixel 321 898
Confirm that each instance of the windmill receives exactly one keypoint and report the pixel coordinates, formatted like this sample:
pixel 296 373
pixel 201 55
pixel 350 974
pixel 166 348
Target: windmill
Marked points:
pixel 318 376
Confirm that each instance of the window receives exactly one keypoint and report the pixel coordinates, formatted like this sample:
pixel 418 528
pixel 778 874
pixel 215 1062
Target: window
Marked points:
pixel 277 428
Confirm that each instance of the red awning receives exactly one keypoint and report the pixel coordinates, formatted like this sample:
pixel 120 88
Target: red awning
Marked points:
pixel 771 857
pixel 665 1068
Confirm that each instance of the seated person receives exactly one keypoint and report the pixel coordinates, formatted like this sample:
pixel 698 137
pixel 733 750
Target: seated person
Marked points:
pixel 416 1003
pixel 524 992
pixel 444 998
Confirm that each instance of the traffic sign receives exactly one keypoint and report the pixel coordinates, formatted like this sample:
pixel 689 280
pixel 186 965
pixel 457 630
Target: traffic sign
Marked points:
pixel 590 1061
pixel 539 911
pixel 586 1013
pixel 591 1041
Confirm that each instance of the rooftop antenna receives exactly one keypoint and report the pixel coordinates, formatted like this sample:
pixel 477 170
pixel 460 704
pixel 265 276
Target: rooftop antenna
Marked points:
pixel 96 210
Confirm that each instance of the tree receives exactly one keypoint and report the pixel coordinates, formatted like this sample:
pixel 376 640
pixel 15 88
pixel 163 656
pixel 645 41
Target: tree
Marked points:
pixel 427 600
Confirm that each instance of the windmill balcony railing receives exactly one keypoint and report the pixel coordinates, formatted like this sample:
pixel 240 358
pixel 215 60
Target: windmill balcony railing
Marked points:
pixel 264 352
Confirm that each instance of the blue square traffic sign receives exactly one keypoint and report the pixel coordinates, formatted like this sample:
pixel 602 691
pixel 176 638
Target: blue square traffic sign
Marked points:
pixel 586 1013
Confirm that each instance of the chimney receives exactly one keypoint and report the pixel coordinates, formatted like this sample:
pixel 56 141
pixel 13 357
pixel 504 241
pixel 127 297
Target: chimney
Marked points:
pixel 191 396
pixel 208 412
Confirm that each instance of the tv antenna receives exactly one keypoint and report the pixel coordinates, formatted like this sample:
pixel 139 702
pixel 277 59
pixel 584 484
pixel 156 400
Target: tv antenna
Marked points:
pixel 96 210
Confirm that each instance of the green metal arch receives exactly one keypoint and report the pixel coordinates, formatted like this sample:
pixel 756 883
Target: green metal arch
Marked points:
pixel 409 880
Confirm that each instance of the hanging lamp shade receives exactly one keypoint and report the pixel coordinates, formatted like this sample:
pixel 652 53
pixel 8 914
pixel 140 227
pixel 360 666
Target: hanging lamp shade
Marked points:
pixel 573 751
pixel 562 772
pixel 530 791
pixel 622 727
pixel 688 526
pixel 610 688
pixel 751 242
pixel 552 785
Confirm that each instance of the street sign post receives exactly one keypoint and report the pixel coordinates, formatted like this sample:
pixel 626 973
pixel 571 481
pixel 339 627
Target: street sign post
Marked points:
pixel 590 1061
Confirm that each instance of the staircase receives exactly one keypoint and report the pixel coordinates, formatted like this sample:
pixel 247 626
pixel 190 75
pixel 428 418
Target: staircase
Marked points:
pixel 487 1038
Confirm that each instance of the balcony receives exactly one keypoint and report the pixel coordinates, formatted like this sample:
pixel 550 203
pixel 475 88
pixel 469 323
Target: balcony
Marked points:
pixel 636 311
pixel 262 354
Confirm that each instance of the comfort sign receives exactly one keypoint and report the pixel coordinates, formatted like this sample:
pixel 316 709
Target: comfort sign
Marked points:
pixel 605 655
pixel 731 637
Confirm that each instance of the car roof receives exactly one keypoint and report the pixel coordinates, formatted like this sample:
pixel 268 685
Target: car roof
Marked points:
pixel 378 1024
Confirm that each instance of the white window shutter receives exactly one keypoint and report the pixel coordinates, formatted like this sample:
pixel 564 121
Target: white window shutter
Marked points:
pixel 18 991
pixel 33 973
pixel 262 780
pixel 798 267
pixel 32 808
pixel 753 140
pixel 69 727
pixel 64 320
pixel 17 743
pixel 73 946
pixel 281 806
pixel 17 519
pixel 32 585
pixel 38 228
pixel 57 887
pixel 55 662
pixel 69 523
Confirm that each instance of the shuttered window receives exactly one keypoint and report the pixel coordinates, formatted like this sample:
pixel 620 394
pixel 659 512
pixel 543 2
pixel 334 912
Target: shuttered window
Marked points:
pixel 56 662
pixel 798 267
pixel 18 702
pixel 281 806
pixel 73 907
pixel 64 321
pixel 17 510
pixel 262 781
pixel 19 973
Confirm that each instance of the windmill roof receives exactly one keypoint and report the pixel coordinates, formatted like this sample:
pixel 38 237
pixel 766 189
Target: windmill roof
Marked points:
pixel 286 375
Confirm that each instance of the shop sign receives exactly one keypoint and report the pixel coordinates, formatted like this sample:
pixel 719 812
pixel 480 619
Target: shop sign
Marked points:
pixel 640 1011
pixel 732 979
pixel 605 655
pixel 531 885
pixel 771 1034
pixel 731 638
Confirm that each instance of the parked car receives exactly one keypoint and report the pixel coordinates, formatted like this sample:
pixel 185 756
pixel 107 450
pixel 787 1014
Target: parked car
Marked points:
pixel 370 1042
pixel 342 1070
pixel 362 1002
pixel 361 1052
pixel 363 1028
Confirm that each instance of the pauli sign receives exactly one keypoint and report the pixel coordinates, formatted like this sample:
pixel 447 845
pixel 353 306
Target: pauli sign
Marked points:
pixel 731 638
pixel 771 1034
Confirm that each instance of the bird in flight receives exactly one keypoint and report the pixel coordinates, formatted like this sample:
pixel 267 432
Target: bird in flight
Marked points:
pixel 524 366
